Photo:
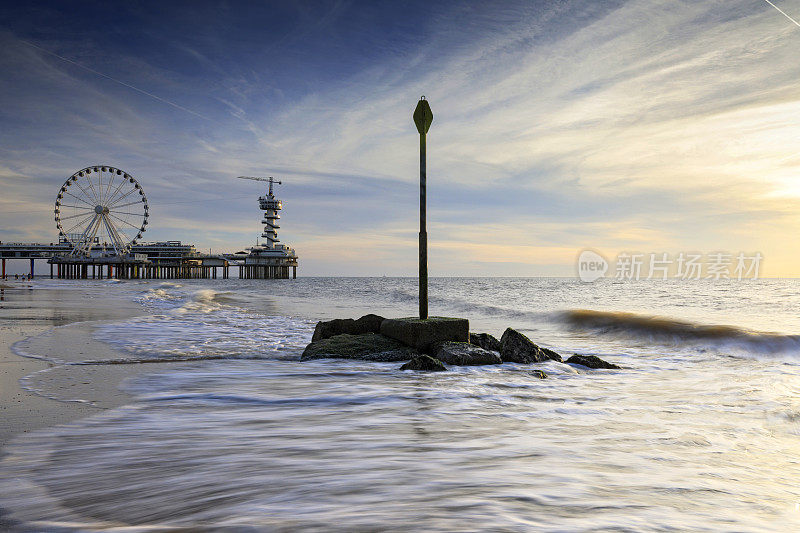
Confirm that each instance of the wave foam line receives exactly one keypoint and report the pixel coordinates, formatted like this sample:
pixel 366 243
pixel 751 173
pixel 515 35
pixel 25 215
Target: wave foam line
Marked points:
pixel 177 359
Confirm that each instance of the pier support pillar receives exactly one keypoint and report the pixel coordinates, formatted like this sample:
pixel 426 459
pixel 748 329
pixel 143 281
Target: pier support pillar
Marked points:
pixel 4 268
pixel 31 268
pixel 294 272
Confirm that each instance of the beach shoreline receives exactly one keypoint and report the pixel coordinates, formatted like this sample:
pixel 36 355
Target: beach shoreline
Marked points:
pixel 60 323
pixel 22 410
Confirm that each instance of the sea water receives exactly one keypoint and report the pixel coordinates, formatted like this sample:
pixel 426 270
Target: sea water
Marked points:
pixel 699 429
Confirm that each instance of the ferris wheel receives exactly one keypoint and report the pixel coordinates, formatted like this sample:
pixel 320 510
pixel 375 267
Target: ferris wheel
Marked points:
pixel 101 208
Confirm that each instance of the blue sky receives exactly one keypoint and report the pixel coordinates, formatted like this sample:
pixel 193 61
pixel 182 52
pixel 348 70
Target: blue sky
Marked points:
pixel 651 126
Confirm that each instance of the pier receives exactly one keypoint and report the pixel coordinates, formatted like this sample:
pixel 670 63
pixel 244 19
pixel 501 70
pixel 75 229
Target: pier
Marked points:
pixel 159 260
pixel 101 213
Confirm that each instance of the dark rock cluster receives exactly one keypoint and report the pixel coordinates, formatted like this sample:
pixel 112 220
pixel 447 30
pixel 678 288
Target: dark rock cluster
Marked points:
pixel 431 344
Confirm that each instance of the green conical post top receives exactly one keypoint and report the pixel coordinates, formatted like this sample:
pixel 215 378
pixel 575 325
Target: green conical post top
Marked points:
pixel 423 116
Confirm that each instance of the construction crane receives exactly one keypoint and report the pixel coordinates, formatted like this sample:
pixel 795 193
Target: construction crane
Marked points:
pixel 269 180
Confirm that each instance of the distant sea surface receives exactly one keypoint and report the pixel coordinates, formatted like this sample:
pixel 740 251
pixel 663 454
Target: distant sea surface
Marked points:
pixel 699 430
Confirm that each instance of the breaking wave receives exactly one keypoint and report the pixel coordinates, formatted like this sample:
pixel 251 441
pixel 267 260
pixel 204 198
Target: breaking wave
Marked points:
pixel 662 329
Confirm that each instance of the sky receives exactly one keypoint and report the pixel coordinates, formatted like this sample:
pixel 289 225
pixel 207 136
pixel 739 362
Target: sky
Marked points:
pixel 617 126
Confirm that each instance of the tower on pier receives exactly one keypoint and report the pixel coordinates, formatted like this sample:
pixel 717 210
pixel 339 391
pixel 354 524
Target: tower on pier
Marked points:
pixel 269 260
pixel 271 206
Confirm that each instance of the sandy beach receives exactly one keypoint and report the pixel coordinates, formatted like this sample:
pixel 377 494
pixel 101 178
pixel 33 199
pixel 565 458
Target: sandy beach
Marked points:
pixel 56 324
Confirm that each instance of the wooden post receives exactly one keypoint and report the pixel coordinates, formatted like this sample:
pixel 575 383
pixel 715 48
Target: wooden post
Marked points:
pixel 423 116
pixel 423 231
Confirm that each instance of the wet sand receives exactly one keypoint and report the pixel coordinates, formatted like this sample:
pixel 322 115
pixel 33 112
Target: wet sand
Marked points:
pixel 58 325
pixel 22 411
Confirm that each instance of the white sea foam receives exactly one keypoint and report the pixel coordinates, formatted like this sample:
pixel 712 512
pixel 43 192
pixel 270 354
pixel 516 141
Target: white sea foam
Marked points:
pixel 198 323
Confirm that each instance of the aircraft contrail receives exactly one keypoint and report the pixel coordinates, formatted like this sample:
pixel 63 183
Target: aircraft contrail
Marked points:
pixel 117 81
pixel 783 13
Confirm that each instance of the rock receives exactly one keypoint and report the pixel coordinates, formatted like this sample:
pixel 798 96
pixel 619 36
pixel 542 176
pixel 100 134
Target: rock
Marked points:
pixel 485 341
pixel 365 347
pixel 551 354
pixel 424 363
pixel 464 354
pixel 591 361
pixel 329 328
pixel 370 322
pixel 517 348
pixel 366 324
pixel 421 334
pixel 539 374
